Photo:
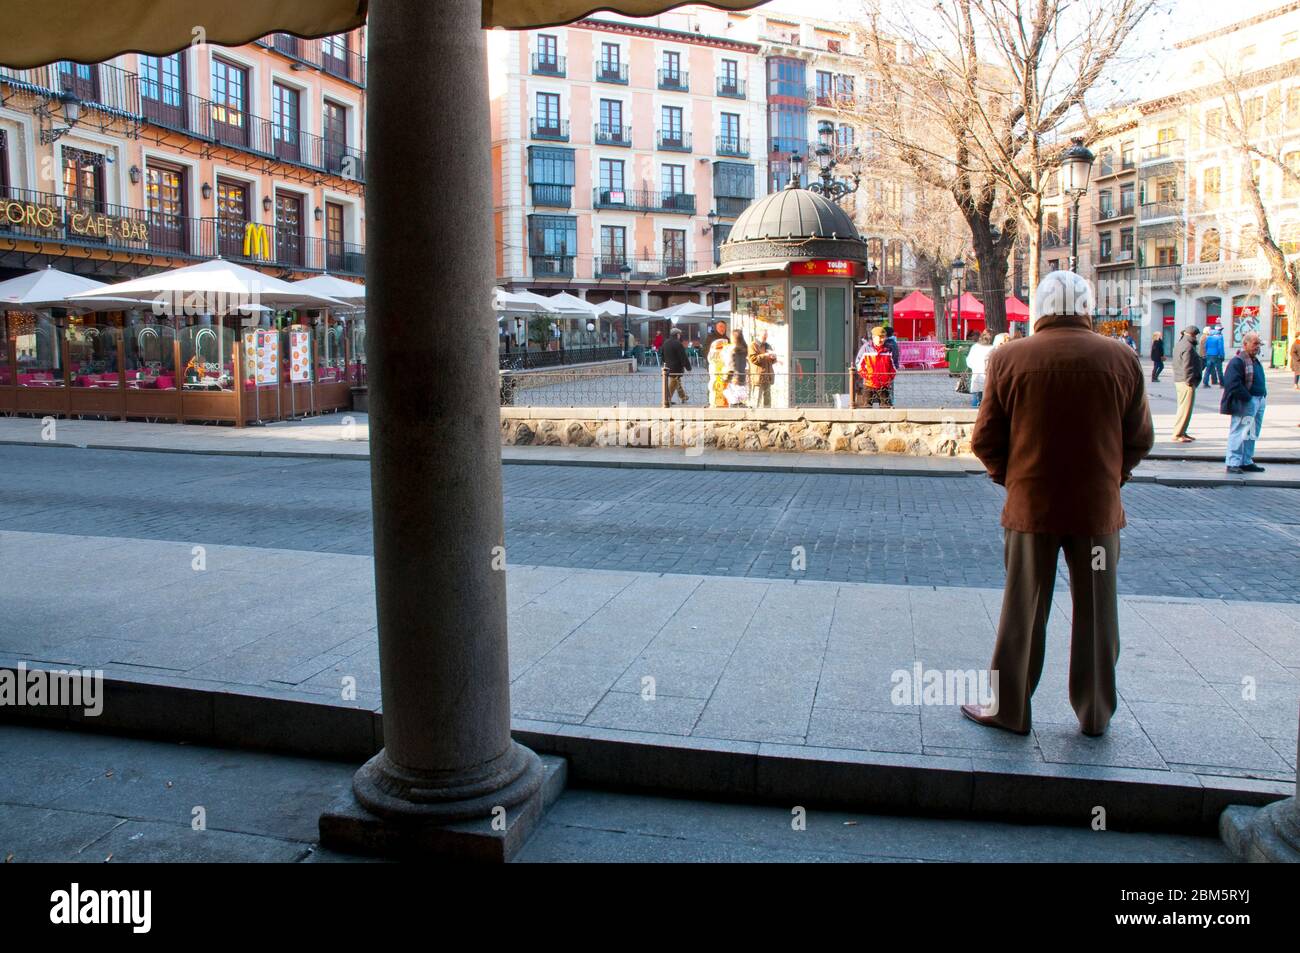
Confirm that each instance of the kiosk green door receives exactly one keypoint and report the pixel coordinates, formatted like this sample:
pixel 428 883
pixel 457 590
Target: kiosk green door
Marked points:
pixel 835 321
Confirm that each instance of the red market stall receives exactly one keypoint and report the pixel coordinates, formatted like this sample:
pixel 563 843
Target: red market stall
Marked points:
pixel 914 318
pixel 964 315
pixel 1017 311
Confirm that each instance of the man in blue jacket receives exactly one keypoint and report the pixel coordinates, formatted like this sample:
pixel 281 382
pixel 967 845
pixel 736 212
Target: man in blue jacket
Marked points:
pixel 1244 395
pixel 1213 357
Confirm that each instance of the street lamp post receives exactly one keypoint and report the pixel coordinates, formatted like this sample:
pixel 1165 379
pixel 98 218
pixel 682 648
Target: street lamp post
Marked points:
pixel 1076 166
pixel 625 270
pixel 958 270
pixel 829 186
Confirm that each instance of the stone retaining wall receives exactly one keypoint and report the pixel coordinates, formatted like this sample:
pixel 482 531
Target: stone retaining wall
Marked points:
pixel 918 433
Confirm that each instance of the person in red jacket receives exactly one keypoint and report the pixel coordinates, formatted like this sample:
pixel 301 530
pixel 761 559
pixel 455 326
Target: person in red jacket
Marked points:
pixel 875 366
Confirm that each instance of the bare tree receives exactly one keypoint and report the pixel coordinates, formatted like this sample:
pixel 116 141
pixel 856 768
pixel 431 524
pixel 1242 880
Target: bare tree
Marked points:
pixel 1250 122
pixel 972 98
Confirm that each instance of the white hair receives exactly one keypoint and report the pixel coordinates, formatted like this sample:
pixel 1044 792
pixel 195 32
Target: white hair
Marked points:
pixel 1063 293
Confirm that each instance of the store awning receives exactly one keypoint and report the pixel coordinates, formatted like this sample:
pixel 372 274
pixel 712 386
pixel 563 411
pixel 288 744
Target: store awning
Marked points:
pixel 727 272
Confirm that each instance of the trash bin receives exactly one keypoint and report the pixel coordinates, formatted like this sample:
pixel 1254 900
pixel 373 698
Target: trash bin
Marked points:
pixel 1280 352
pixel 957 352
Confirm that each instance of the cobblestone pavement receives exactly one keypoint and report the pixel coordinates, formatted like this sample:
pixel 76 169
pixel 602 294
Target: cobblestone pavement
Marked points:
pixel 1221 542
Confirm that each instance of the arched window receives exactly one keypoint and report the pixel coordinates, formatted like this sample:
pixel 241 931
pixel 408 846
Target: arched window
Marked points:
pixel 1210 250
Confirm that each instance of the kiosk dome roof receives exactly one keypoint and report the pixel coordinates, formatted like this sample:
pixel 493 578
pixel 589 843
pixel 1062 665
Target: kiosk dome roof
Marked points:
pixel 792 213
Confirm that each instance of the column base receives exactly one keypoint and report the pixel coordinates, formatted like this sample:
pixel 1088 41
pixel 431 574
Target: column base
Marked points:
pixel 373 820
pixel 1269 834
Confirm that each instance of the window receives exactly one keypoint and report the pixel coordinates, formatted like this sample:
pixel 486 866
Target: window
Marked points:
pixel 288 228
pixel 1211 186
pixel 164 190
pixel 613 248
pixel 83 179
pixel 1126 241
pixel 1126 199
pixel 1210 245
pixel 674 180
pixel 1166 189
pixel 334 236
pixel 1166 251
pixel 548 52
pixel 1105 204
pixel 552 243
pixel 671 125
pixel 844 137
pixel 229 99
pixel 1290 238
pixel 162 83
pixel 825 83
pixel 1214 127
pixel 1126 155
pixel 674 251
pixel 335 55
pixel 733 187
pixel 1252 113
pixel 844 88
pixel 284 121
pixel 1104 246
pixel 611 122
pixel 232 217
pixel 611 175
pixel 786 77
pixel 548 114
pixel 1293 106
pixel 730 138
pixel 730 79
pixel 80 79
pixel 551 175
pixel 672 68
pixel 789 128
pixel 611 67
pixel 334 123
pixel 1291 175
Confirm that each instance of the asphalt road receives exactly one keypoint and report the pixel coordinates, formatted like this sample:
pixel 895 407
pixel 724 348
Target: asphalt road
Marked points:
pixel 1228 542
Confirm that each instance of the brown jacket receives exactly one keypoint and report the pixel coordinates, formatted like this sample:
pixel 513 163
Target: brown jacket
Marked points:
pixel 1063 422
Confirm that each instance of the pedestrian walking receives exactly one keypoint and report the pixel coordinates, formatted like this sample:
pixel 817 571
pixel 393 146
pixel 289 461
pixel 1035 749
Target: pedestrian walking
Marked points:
pixel 736 357
pixel 718 369
pixel 1295 360
pixel 1063 494
pixel 1213 356
pixel 676 363
pixel 1157 357
pixel 891 341
pixel 1128 340
pixel 762 373
pixel 1187 377
pixel 1245 393
pixel 876 367
pixel 975 363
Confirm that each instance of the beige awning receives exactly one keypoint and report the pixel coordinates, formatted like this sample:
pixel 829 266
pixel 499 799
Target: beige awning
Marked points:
pixel 91 31
pixel 727 272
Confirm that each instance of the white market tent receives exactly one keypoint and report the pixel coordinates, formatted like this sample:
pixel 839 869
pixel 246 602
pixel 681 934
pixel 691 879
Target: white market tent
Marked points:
pixel 216 287
pixel 349 292
pixel 51 288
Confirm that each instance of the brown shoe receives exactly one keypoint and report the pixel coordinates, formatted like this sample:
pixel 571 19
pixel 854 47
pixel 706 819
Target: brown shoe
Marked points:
pixel 976 714
pixel 1092 734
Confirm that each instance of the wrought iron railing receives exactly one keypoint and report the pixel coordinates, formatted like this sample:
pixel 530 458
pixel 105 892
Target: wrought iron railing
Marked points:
pixel 607 135
pixel 553 196
pixel 733 146
pixel 643 200
pixel 673 140
pixel 327 54
pixel 554 130
pixel 611 72
pixel 549 65
pixel 679 80
pixel 732 87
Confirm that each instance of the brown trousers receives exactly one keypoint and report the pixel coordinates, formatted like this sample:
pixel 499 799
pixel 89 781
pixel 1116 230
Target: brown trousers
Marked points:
pixel 1186 401
pixel 1022 630
pixel 675 387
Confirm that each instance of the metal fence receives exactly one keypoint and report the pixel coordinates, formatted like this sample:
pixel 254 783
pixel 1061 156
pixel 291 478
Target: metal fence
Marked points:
pixel 645 388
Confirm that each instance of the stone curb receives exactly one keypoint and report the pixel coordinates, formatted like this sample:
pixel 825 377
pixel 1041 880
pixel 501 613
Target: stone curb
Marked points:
pixel 516 457
pixel 299 723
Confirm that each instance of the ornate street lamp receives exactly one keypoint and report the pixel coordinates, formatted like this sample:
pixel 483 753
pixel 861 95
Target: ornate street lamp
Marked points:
pixel 625 270
pixel 829 186
pixel 1076 166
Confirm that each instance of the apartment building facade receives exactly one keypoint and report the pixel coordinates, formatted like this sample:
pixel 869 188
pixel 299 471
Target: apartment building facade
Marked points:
pixel 1169 230
pixel 622 150
pixel 144 163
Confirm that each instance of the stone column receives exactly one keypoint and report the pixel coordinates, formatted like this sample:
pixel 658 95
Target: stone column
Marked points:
pixel 435 442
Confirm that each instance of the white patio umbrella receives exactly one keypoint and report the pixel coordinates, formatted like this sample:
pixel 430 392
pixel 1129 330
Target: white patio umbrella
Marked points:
pixel 613 308
pixel 520 302
pixel 212 287
pixel 686 311
pixel 349 292
pixel 570 305
pixel 51 288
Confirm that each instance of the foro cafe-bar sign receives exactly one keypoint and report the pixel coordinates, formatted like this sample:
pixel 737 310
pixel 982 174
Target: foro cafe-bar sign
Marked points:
pixel 91 224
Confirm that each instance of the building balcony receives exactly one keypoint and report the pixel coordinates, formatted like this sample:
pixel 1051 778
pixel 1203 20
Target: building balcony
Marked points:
pixel 673 140
pixel 552 196
pixel 730 87
pixel 641 269
pixel 1153 212
pixel 675 80
pixel 1159 152
pixel 550 130
pixel 1237 270
pixel 52 219
pixel 1116 259
pixel 1061 239
pixel 604 135
pixel 730 206
pixel 550 65
pixel 611 73
pixel 116 95
pixel 552 266
pixel 329 55
pixel 1161 276
pixel 733 146
pixel 1111 213
pixel 643 200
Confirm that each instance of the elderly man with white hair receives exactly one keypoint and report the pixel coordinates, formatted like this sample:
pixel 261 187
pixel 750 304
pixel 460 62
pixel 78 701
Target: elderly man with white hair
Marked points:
pixel 1063 422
